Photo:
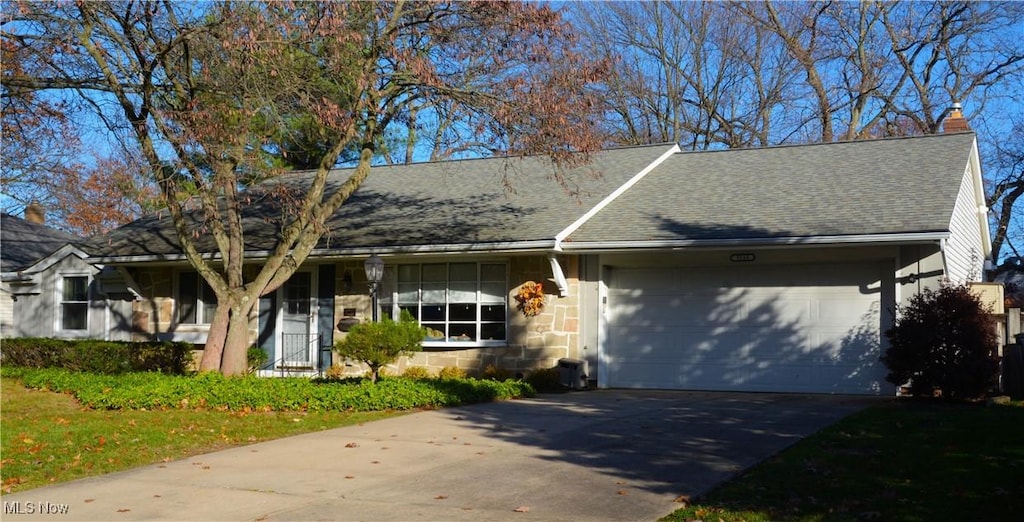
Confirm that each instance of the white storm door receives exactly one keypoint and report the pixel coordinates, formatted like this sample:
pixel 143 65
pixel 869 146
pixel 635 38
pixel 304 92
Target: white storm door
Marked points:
pixel 298 320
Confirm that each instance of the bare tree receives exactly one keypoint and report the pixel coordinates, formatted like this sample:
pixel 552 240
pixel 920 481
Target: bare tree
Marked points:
pixel 206 90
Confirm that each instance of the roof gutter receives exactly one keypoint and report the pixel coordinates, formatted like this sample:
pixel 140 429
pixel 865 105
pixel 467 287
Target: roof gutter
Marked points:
pixel 560 237
pixel 556 267
pixel 544 245
pixel 604 246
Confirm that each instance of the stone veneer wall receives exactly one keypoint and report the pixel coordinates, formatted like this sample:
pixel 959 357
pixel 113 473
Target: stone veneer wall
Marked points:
pixel 533 342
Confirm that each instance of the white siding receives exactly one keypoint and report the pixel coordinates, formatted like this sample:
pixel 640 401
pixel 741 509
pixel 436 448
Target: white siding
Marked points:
pixel 6 314
pixel 965 254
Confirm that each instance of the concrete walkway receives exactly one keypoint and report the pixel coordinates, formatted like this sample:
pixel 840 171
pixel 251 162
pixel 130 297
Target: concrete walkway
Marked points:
pixel 597 455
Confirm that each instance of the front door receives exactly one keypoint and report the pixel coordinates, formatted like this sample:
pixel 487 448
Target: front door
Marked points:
pixel 298 325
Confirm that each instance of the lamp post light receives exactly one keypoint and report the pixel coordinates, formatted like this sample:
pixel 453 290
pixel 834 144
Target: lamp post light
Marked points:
pixel 374 266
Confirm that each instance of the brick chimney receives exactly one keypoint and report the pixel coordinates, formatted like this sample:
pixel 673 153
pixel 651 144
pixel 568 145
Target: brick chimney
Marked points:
pixel 35 213
pixel 955 121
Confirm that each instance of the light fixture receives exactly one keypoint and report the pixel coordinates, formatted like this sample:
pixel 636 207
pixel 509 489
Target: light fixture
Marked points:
pixel 374 266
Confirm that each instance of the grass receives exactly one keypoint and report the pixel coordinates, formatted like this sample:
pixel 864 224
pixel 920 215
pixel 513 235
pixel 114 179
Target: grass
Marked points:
pixel 905 460
pixel 49 437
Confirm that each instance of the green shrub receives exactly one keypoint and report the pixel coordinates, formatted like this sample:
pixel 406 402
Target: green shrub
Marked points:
pixel 256 358
pixel 379 344
pixel 212 390
pixel 90 355
pixel 944 342
pixel 336 371
pixel 545 380
pixel 451 372
pixel 495 373
pixel 416 372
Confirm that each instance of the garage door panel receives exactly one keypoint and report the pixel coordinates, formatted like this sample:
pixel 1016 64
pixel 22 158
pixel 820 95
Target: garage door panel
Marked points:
pixel 821 335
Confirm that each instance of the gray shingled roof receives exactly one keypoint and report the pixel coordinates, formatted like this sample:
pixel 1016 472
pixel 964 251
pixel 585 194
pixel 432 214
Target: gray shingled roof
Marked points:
pixel 22 242
pixel 890 186
pixel 425 204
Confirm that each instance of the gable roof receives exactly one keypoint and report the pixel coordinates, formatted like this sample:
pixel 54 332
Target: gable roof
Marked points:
pixel 896 189
pixel 799 192
pixel 23 243
pixel 451 205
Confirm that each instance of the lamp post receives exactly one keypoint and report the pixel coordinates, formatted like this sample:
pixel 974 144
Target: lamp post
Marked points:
pixel 374 266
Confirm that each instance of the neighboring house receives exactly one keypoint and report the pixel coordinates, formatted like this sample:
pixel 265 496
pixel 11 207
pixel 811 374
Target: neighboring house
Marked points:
pixel 772 269
pixel 47 289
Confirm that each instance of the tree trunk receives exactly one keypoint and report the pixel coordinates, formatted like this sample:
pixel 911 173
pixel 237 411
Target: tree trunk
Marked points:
pixel 214 350
pixel 236 343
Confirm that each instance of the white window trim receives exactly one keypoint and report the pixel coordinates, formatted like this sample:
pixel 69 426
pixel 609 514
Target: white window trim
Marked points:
pixel 58 326
pixel 448 344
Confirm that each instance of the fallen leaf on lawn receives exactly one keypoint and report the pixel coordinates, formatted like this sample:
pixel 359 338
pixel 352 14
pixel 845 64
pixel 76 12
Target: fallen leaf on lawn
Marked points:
pixel 440 497
pixel 352 445
pixel 522 509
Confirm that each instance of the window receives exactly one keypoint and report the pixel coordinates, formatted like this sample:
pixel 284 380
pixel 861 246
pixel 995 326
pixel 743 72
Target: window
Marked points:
pixel 196 300
pixel 456 302
pixel 74 303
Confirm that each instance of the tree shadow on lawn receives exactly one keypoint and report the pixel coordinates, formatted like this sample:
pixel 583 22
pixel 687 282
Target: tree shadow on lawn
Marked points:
pixel 908 460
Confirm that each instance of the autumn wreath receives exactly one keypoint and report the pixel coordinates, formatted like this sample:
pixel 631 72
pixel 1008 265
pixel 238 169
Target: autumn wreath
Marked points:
pixel 530 298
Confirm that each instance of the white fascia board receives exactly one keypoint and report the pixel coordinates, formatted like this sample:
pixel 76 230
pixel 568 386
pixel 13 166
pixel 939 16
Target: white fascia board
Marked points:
pixel 560 237
pixel 54 258
pixel 544 245
pixel 977 181
pixel 610 246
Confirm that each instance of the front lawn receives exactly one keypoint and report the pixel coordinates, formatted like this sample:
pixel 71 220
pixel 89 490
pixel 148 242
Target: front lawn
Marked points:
pixel 906 460
pixel 59 425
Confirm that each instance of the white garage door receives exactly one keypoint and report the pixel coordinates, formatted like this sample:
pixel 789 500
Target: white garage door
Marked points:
pixel 785 329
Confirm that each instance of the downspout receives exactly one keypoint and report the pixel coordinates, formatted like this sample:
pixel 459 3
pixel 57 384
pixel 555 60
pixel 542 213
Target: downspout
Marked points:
pixel 559 274
pixel 556 268
pixel 945 262
pixel 106 319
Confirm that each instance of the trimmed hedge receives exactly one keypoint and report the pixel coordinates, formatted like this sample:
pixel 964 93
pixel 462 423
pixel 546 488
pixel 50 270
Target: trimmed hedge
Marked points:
pixel 105 357
pixel 214 391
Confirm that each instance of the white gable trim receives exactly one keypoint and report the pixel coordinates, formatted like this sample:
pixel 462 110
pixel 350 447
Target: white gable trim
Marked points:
pixel 560 237
pixel 974 165
pixel 54 258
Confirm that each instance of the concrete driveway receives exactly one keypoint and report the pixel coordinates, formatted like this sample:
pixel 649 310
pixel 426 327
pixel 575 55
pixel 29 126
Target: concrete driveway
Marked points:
pixel 596 455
